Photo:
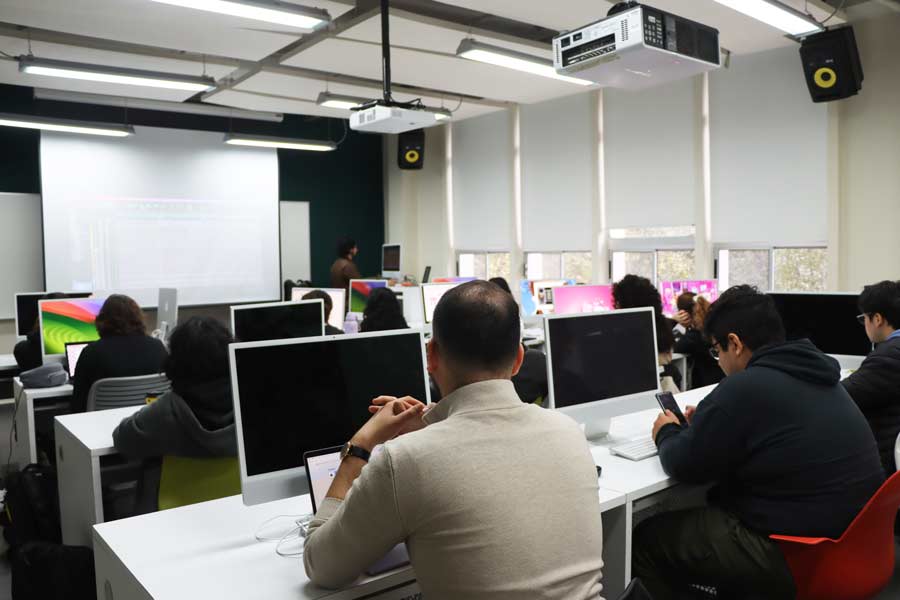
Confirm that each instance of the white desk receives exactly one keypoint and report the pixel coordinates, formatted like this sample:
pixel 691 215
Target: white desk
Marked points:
pixel 681 363
pixel 81 439
pixel 24 447
pixel 8 362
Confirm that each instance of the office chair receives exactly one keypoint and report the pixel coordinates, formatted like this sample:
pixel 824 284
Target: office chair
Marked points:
pixel 186 481
pixel 117 392
pixel 856 566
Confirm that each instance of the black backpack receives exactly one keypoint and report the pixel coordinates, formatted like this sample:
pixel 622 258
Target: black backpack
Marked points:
pixel 31 510
pixel 49 571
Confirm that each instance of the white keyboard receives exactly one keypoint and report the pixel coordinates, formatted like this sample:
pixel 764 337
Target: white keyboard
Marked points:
pixel 638 449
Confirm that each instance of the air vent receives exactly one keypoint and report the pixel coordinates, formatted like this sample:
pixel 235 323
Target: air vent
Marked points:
pixel 625 30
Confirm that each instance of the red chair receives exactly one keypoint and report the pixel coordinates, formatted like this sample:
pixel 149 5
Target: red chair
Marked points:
pixel 859 564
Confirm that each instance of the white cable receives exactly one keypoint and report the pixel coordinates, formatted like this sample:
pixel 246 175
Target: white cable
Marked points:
pixel 301 518
pixel 298 529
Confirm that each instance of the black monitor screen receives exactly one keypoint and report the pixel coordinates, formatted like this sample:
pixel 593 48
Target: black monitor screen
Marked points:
pixel 278 322
pixel 305 396
pixel 597 357
pixel 390 258
pixel 27 309
pixel 828 320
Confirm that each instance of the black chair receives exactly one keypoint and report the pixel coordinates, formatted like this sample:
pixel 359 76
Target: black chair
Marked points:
pixel 635 591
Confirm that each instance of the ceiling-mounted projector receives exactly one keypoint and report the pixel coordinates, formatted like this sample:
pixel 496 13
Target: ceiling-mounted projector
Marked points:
pixel 378 118
pixel 637 48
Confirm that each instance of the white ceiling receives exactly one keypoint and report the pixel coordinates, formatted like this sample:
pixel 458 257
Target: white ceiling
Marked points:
pixel 423 54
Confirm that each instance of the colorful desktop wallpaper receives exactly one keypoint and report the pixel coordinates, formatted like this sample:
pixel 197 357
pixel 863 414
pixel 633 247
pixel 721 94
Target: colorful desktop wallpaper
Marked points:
pixel 64 321
pixel 453 279
pixel 582 299
pixel 359 293
pixel 670 290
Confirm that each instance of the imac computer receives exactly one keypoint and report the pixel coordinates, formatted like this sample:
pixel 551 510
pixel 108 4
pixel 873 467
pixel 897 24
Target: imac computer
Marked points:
pixel 296 396
pixel 338 300
pixel 829 321
pixel 390 261
pixel 27 309
pixel 602 365
pixel 576 299
pixel 73 353
pixel 278 321
pixel 167 312
pixel 431 295
pixel 64 321
pixel 359 293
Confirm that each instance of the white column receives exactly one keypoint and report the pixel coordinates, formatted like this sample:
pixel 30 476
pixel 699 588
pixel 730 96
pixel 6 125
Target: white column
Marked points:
pixel 600 232
pixel 516 253
pixel 836 279
pixel 703 251
pixel 448 198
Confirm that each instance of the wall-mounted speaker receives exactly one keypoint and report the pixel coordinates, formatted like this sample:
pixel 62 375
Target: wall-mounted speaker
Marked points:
pixel 831 64
pixel 411 149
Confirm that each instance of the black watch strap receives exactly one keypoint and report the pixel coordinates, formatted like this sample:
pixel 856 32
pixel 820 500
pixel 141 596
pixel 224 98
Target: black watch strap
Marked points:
pixel 351 450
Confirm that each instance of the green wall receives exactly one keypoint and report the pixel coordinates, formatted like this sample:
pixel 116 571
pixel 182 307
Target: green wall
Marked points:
pixel 344 187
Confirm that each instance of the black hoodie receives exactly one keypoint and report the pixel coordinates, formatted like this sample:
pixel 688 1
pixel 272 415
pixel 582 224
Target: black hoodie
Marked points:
pixel 790 451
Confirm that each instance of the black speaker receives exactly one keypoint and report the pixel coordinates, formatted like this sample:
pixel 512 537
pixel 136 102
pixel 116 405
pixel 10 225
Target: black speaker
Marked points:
pixel 411 149
pixel 831 64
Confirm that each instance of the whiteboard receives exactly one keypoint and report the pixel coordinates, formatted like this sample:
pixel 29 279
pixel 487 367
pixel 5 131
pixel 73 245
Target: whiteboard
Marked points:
pixel 21 249
pixel 295 262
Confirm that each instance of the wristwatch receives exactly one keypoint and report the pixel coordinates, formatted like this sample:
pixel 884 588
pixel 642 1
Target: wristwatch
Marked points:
pixel 349 449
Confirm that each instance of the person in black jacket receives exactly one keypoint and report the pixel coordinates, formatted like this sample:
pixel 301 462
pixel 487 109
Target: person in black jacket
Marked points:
pixel 328 307
pixel 875 386
pixel 28 352
pixel 383 312
pixel 788 450
pixel 123 350
pixel 692 311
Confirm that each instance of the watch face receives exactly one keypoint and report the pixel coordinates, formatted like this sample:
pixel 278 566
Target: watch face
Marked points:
pixel 345 449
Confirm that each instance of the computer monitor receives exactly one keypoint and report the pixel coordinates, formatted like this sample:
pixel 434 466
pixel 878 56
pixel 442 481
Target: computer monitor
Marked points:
pixel 294 396
pixel 453 279
pixel 278 320
pixel 828 320
pixel 576 299
pixel 390 260
pixel 67 320
pixel 73 353
pixel 338 300
pixel 359 293
pixel 602 365
pixel 670 290
pixel 27 309
pixel 167 312
pixel 431 295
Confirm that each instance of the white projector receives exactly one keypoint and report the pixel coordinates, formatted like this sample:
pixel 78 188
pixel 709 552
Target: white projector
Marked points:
pixel 638 48
pixel 390 119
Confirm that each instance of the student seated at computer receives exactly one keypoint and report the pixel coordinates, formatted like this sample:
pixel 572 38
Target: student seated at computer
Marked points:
pixel 383 312
pixel 875 386
pixel 494 498
pixel 28 352
pixel 787 448
pixel 634 291
pixel 328 306
pixel 692 311
pixel 123 350
pixel 195 419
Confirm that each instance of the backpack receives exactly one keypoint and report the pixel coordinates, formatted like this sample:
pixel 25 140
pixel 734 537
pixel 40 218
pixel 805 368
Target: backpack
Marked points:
pixel 49 571
pixel 31 511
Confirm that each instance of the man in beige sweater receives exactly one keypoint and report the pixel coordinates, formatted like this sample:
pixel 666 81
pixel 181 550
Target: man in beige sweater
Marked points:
pixel 494 498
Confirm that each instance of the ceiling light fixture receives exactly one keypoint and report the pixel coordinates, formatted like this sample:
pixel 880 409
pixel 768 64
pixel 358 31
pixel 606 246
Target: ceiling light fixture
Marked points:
pixel 511 59
pixel 105 74
pixel 265 141
pixel 329 100
pixel 64 125
pixel 776 14
pixel 441 114
pixel 270 11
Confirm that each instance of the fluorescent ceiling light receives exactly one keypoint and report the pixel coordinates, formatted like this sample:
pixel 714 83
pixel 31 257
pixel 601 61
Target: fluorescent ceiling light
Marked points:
pixel 503 57
pixel 106 74
pixel 65 126
pixel 329 100
pixel 270 11
pixel 265 141
pixel 776 14
pixel 441 114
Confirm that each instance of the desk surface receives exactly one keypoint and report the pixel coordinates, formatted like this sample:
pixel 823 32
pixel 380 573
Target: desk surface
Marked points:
pixel 8 362
pixel 94 429
pixel 208 550
pixel 49 392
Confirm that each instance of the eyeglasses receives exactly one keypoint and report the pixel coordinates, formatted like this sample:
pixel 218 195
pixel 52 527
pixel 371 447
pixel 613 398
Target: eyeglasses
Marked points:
pixel 861 318
pixel 714 351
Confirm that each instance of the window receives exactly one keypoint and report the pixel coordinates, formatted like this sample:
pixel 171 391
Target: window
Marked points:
pixel 739 267
pixel 674 265
pixel 630 233
pixel 633 263
pixel 560 265
pixel 484 265
pixel 655 265
pixel 800 269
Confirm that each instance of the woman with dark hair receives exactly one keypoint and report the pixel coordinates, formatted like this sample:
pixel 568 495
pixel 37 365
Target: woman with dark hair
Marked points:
pixel 692 311
pixel 195 419
pixel 637 292
pixel 123 350
pixel 383 312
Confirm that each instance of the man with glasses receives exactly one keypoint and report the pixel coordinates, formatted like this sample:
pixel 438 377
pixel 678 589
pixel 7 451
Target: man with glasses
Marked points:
pixel 875 387
pixel 787 449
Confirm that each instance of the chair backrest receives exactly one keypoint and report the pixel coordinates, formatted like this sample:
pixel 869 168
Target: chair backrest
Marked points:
pixel 875 522
pixel 186 481
pixel 116 392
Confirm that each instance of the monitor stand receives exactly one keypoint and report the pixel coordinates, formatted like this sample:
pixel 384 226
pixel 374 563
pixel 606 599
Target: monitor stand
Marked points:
pixel 596 430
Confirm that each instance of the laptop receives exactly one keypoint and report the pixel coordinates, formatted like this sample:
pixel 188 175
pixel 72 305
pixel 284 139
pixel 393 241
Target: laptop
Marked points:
pixel 73 352
pixel 321 465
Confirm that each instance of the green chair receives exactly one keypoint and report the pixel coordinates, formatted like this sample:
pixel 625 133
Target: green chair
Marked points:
pixel 186 481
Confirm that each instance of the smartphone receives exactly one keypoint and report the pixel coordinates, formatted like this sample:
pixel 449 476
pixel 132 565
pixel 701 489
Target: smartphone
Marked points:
pixel 667 402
